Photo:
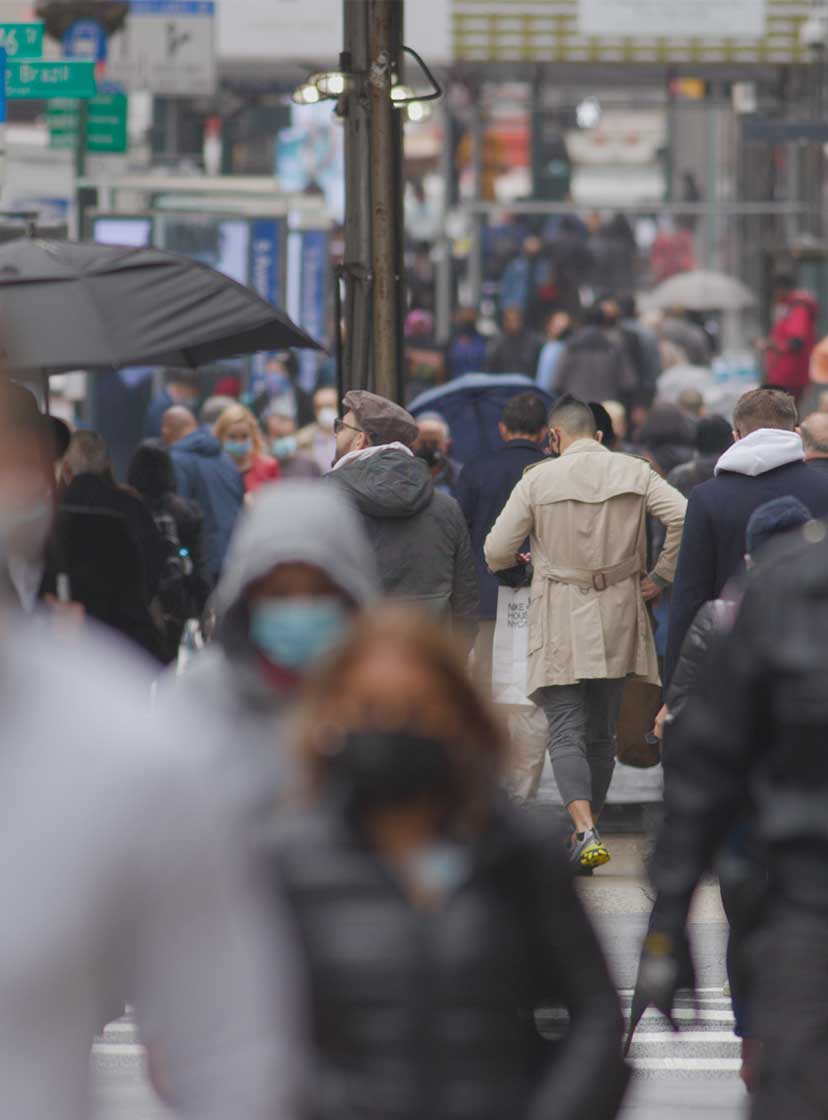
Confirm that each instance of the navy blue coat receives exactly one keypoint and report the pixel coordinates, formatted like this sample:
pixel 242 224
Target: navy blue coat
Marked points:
pixel 482 491
pixel 713 544
pixel 207 476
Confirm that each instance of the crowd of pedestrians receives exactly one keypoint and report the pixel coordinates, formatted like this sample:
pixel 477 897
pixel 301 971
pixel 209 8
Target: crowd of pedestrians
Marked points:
pixel 329 762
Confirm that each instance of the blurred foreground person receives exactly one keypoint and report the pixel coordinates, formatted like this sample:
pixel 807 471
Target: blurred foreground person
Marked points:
pixel 122 879
pixel 433 920
pixel 299 568
pixel 237 430
pixel 206 475
pixel 740 863
pixel 756 725
pixel 418 533
pixel 586 516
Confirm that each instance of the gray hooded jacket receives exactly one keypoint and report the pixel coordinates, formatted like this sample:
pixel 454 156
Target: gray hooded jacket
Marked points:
pixel 419 535
pixel 291 522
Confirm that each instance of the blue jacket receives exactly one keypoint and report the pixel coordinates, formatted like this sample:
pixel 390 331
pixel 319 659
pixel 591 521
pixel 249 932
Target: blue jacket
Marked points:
pixel 208 477
pixel 713 544
pixel 482 491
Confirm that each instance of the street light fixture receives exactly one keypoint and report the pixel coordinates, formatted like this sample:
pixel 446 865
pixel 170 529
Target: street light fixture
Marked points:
pixel 330 85
pixel 306 94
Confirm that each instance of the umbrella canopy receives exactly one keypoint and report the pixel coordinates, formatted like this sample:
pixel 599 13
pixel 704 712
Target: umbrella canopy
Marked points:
pixel 472 406
pixel 701 291
pixel 79 305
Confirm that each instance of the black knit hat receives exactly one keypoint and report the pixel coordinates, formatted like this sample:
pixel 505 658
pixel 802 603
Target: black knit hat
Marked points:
pixel 772 519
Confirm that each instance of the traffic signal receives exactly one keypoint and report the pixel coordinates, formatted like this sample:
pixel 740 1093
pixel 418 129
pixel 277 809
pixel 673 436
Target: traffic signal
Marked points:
pixel 59 15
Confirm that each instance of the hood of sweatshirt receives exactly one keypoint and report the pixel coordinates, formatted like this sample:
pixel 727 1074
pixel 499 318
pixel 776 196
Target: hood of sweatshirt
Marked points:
pixel 200 442
pixel 290 523
pixel 762 451
pixel 390 483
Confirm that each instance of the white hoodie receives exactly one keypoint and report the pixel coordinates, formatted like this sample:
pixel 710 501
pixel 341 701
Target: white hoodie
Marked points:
pixel 762 451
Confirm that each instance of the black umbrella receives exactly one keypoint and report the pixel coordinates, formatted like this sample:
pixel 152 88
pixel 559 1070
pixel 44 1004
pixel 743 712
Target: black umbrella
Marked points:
pixel 78 305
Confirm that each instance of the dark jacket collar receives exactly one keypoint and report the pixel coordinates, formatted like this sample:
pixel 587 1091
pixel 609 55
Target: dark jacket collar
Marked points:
pixel 523 444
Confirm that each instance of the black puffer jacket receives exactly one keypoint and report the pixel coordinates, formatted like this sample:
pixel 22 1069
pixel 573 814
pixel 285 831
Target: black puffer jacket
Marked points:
pixel 713 619
pixel 757 721
pixel 426 1015
pixel 419 534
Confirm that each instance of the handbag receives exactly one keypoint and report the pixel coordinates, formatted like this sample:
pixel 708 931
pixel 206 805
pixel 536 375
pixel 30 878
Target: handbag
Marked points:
pixel 634 745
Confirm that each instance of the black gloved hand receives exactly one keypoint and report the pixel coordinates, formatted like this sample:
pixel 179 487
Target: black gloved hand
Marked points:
pixel 517 577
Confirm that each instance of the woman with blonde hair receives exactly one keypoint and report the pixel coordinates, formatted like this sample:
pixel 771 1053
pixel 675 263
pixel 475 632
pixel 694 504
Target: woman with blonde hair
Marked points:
pixel 238 432
pixel 433 920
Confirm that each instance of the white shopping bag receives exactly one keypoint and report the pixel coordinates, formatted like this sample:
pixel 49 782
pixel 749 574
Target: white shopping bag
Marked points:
pixel 511 647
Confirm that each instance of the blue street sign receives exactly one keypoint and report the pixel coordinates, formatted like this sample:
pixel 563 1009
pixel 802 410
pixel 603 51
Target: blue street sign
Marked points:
pixel 2 85
pixel 173 7
pixel 85 39
pixel 266 276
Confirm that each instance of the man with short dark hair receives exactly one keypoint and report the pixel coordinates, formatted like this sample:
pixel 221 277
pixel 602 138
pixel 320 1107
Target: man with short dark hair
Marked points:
pixel 713 437
pixel 765 462
pixel 418 534
pixel 815 441
pixel 483 490
pixel 586 515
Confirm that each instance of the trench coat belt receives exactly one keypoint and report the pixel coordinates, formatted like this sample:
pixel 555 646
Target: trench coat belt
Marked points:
pixel 591 580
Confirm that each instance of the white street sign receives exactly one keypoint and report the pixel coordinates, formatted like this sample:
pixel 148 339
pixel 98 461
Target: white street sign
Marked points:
pixel 697 19
pixel 168 48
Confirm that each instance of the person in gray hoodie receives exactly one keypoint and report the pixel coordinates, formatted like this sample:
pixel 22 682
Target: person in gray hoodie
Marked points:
pixel 418 534
pixel 298 569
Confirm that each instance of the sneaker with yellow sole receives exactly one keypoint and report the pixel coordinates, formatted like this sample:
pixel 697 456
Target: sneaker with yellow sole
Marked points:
pixel 587 850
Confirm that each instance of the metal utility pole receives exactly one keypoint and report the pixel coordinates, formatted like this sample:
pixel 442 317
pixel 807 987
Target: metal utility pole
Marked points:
pixel 373 206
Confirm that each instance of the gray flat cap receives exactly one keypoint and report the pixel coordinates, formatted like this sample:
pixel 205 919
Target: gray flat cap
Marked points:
pixel 381 419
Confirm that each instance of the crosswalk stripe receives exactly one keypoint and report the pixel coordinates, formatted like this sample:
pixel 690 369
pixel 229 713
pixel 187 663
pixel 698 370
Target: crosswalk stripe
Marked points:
pixel 118 1050
pixel 701 1065
pixel 681 1014
pixel 688 1038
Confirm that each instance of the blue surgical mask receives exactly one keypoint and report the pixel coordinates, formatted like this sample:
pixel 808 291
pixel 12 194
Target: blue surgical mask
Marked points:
pixel 294 633
pixel 284 447
pixel 238 448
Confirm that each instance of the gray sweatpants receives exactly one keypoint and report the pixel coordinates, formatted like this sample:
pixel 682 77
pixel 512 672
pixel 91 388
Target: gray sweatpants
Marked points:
pixel 582 719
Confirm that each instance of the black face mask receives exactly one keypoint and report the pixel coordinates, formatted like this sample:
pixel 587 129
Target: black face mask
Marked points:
pixel 430 455
pixel 384 769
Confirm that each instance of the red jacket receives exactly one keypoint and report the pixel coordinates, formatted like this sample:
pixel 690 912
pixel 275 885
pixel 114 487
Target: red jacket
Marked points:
pixel 263 469
pixel 792 340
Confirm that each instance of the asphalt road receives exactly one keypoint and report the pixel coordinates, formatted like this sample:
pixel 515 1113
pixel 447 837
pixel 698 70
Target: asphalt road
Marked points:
pixel 680 1077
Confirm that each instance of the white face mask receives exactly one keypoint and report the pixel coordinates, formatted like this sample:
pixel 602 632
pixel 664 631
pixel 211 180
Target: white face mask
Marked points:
pixel 325 418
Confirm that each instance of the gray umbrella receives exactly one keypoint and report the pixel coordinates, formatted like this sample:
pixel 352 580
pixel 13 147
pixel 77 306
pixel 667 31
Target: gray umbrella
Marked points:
pixel 699 290
pixel 78 305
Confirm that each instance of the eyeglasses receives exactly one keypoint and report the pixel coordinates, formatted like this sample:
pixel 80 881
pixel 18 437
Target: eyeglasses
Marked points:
pixel 340 425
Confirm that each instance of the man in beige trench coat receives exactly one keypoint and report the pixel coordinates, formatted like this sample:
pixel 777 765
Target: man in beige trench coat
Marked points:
pixel 589 629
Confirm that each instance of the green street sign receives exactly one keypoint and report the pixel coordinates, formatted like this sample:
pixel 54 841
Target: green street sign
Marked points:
pixel 22 40
pixel 106 124
pixel 42 80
